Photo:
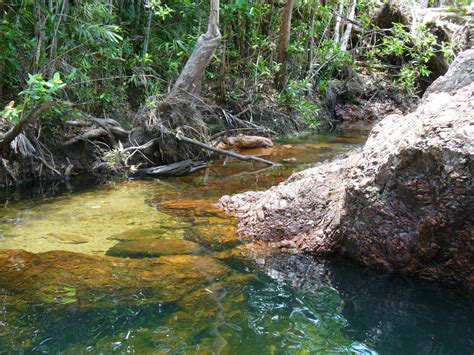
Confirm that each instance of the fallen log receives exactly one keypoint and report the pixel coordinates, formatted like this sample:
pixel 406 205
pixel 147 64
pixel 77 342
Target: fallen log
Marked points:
pixel 181 168
pixel 225 152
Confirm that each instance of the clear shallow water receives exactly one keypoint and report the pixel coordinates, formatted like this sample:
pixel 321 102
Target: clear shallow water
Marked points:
pixel 228 296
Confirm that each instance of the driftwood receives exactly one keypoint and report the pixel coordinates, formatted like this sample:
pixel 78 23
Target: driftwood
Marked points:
pixel 106 127
pixel 181 168
pixel 225 152
pixel 9 136
pixel 88 135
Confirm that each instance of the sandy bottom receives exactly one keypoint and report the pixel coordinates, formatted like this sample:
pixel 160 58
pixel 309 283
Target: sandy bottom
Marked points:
pixel 84 222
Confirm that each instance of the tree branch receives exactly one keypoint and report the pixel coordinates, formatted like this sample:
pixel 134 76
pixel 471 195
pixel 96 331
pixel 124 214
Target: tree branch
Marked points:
pixel 225 152
pixel 9 136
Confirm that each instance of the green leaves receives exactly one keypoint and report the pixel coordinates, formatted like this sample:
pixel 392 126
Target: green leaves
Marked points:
pixel 159 9
pixel 413 51
pixel 99 32
pixel 12 113
pixel 40 90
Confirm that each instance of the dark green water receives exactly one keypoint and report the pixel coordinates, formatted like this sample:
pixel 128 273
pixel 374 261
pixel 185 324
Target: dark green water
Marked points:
pixel 228 297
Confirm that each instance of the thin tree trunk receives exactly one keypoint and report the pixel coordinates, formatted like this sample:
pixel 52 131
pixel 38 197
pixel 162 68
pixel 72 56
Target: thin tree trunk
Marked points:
pixel 285 33
pixel 189 81
pixel 54 40
pixel 40 18
pixel 337 27
pixel 311 41
pixel 147 32
pixel 347 34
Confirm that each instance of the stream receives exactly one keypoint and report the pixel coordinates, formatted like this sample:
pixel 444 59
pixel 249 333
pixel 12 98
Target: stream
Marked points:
pixel 154 267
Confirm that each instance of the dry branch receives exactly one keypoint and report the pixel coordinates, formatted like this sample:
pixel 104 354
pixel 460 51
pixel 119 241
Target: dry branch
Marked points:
pixel 88 135
pixel 225 152
pixel 9 136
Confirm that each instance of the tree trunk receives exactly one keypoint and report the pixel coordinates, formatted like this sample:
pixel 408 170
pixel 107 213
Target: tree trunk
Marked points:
pixel 347 34
pixel 189 81
pixel 337 27
pixel 54 40
pixel 285 32
pixel 147 32
pixel 311 41
pixel 40 16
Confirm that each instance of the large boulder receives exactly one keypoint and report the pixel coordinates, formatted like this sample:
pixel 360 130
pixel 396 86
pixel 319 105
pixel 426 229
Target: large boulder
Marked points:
pixel 404 202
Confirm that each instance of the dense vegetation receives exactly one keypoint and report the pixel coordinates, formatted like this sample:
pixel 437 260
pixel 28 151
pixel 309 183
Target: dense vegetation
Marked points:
pixel 257 66
pixel 117 55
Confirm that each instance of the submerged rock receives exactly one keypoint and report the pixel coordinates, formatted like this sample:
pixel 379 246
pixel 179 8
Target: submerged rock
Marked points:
pixel 148 234
pixel 405 202
pixel 214 233
pixel 71 238
pixel 153 248
pixel 59 278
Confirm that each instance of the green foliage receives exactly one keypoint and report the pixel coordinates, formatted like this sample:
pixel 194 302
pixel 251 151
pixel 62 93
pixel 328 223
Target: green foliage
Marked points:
pixel 40 90
pixel 36 93
pixel 413 52
pixel 159 9
pixel 100 51
pixel 294 96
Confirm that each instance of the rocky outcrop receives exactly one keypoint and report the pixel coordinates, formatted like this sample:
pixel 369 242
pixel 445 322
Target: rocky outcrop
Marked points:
pixel 404 202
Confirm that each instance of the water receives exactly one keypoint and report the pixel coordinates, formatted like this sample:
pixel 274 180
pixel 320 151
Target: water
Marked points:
pixel 59 293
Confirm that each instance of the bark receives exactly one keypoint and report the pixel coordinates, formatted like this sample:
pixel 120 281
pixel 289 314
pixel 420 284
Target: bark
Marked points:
pixel 91 134
pixel 347 34
pixel 311 42
pixel 189 81
pixel 285 32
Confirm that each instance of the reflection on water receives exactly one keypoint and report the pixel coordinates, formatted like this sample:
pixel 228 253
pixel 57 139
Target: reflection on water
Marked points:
pixel 389 313
pixel 220 294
